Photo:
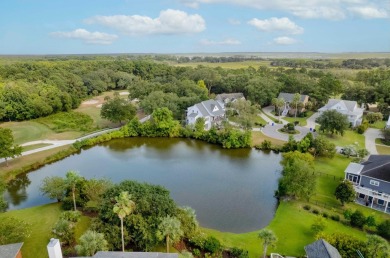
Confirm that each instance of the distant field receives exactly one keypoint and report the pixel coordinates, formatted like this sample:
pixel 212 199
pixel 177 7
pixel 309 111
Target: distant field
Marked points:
pixel 229 65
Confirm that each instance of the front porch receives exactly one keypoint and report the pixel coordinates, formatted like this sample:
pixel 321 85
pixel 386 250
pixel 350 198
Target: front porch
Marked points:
pixel 373 199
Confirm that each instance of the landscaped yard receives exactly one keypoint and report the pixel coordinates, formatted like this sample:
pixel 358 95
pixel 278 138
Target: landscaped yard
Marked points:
pixel 259 137
pixel 349 137
pixel 301 120
pixel 378 125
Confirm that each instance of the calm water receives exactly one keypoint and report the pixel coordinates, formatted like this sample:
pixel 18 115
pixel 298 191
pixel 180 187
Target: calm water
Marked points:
pixel 230 190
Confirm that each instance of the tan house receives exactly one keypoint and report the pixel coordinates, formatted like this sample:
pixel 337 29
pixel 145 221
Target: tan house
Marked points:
pixel 288 99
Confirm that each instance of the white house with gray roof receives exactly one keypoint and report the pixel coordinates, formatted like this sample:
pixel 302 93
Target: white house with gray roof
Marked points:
pixel 388 123
pixel 345 107
pixel 212 111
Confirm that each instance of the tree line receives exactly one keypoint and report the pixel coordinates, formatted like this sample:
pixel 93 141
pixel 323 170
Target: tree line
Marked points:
pixel 39 88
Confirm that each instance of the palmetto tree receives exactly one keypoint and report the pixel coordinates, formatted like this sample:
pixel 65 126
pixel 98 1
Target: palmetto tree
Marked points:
pixel 124 206
pixel 71 180
pixel 269 239
pixel 295 101
pixel 169 228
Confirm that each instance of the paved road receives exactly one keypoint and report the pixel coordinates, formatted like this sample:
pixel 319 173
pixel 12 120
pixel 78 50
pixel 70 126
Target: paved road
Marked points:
pixel 58 143
pixel 311 121
pixel 371 134
pixel 272 131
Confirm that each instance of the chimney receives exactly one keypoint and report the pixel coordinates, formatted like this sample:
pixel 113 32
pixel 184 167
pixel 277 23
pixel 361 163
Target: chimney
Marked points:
pixel 54 248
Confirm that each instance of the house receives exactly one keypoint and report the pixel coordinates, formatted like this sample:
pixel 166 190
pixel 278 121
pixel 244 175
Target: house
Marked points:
pixel 211 110
pixel 321 249
pixel 226 98
pixel 11 250
pixel 388 123
pixel 371 181
pixel 288 99
pixel 345 107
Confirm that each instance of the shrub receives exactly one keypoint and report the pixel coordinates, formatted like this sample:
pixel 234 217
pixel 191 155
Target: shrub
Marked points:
pixel 198 240
pixel 64 230
pixel 358 219
pixel 239 253
pixel 307 207
pixel 384 229
pixel 325 215
pixel 71 216
pixel 212 245
pixel 266 145
pixel 196 252
pixel 315 211
pixel 335 217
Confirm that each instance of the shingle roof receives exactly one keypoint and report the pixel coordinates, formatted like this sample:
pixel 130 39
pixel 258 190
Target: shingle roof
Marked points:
pixel 351 106
pixel 354 168
pixel 288 97
pixel 321 249
pixel 231 96
pixel 377 166
pixel 133 255
pixel 207 107
pixel 10 250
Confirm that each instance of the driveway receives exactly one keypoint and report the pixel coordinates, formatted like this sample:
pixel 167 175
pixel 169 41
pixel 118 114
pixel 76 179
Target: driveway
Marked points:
pixel 311 121
pixel 272 131
pixel 370 135
pixel 268 110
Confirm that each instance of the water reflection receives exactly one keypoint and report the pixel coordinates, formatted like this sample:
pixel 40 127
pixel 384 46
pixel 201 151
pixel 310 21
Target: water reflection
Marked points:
pixel 231 190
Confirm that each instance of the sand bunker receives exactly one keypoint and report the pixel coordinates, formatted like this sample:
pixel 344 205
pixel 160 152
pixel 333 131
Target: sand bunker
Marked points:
pixel 124 93
pixel 90 102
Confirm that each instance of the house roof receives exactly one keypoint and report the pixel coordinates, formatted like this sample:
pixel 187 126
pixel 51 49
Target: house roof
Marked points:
pixel 351 106
pixel 288 97
pixel 102 254
pixel 354 168
pixel 377 166
pixel 10 250
pixel 228 97
pixel 210 108
pixel 321 249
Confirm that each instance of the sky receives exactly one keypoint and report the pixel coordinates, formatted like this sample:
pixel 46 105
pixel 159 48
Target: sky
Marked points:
pixel 193 26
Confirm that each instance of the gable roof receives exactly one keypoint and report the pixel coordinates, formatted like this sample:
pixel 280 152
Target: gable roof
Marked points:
pixel 321 249
pixel 229 96
pixel 210 108
pixel 288 97
pixel 351 106
pixel 377 166
pixel 10 250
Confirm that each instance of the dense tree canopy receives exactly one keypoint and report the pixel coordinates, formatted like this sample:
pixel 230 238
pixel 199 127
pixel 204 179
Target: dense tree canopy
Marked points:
pixel 117 109
pixel 333 122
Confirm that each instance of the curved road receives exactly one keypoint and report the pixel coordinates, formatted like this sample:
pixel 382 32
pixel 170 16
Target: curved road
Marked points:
pixel 370 136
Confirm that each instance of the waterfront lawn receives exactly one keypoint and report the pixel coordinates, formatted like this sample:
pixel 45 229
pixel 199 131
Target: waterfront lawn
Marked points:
pixel 349 137
pixel 259 137
pixel 41 218
pixel 291 225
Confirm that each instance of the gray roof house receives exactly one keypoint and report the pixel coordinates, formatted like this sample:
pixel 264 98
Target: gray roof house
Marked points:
pixel 11 250
pixel 321 249
pixel 371 180
pixel 345 107
pixel 288 99
pixel 211 110
pixel 226 98
pixel 107 254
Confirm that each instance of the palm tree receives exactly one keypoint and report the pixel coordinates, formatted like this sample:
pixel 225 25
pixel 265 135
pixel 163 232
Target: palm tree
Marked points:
pixel 124 206
pixel 71 180
pixel 295 101
pixel 169 229
pixel 278 103
pixel 269 239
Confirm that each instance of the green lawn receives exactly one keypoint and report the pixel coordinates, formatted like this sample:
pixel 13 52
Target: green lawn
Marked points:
pixel 28 131
pixel 378 125
pixel 349 137
pixel 385 150
pixel 41 218
pixel 301 120
pixel 259 137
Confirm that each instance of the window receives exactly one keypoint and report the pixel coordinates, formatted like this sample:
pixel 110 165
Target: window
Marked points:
pixel 373 182
pixel 353 178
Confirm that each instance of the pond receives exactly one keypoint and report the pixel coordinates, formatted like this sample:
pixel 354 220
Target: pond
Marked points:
pixel 230 190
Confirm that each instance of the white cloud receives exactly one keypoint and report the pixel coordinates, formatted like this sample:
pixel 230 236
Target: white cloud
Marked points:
pixel 277 24
pixel 190 3
pixel 234 22
pixel 369 12
pixel 206 42
pixel 169 22
pixel 88 37
pixel 311 9
pixel 284 41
